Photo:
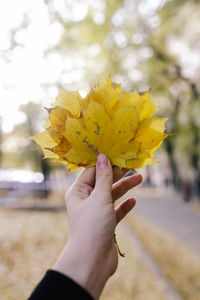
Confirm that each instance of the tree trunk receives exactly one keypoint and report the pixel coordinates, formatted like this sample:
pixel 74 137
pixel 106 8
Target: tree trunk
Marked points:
pixel 176 179
pixel 194 158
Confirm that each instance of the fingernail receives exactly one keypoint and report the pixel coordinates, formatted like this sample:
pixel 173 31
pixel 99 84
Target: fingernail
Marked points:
pixel 102 161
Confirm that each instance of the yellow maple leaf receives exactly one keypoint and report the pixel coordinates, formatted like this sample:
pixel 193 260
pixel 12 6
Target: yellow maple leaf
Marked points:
pixel 108 120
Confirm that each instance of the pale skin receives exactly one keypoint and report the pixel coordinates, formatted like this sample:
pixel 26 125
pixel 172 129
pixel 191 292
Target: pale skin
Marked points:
pixel 90 256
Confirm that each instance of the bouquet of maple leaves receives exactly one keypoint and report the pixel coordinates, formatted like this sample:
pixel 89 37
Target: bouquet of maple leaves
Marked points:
pixel 108 120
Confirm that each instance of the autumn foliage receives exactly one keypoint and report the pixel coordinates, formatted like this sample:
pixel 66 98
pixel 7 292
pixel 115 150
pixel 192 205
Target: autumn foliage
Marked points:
pixel 108 120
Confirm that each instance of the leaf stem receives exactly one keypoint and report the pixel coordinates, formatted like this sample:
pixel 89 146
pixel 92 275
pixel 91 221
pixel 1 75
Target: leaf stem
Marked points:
pixel 120 253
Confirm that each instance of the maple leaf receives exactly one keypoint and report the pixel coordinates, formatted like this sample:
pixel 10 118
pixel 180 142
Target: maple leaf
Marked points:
pixel 108 120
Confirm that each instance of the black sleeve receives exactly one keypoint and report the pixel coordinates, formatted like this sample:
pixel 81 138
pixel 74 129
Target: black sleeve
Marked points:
pixel 57 286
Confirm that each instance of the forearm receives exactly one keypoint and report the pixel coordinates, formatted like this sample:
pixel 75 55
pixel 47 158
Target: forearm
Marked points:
pixel 83 266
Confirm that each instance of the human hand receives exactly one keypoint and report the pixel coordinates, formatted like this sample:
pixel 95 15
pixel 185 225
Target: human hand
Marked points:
pixel 90 256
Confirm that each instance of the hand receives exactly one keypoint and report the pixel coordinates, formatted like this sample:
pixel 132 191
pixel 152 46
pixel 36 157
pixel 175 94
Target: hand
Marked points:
pixel 90 256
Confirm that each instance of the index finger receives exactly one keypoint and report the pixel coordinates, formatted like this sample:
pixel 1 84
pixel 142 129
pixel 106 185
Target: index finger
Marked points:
pixel 118 173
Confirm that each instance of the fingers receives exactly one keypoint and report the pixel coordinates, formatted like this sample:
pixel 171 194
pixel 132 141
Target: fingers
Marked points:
pixel 123 209
pixel 118 174
pixel 85 182
pixel 87 176
pixel 122 186
pixel 104 176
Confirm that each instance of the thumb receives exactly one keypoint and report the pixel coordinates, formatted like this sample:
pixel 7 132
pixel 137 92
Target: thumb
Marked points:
pixel 87 177
pixel 104 175
pixel 84 184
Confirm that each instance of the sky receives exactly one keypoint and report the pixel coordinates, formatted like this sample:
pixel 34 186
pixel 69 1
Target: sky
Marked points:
pixel 25 70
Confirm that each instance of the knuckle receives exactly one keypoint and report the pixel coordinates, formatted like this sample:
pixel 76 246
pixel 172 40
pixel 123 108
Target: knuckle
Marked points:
pixel 86 189
pixel 83 189
pixel 106 176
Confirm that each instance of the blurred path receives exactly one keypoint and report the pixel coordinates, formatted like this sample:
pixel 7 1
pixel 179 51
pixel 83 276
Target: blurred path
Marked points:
pixel 165 209
pixel 169 291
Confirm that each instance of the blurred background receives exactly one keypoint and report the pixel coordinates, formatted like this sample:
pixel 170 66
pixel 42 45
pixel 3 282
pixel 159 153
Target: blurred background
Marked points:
pixel 50 44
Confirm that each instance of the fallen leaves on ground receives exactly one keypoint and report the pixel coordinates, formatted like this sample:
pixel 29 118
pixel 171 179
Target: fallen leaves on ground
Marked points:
pixel 30 242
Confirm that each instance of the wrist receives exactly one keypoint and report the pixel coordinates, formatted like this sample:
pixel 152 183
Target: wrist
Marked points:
pixel 83 267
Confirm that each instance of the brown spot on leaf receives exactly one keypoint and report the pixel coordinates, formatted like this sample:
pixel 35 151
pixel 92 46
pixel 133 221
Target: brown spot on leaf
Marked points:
pixel 115 85
pixel 98 128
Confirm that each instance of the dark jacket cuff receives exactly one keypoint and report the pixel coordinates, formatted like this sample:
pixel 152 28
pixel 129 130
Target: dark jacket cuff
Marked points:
pixel 57 286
